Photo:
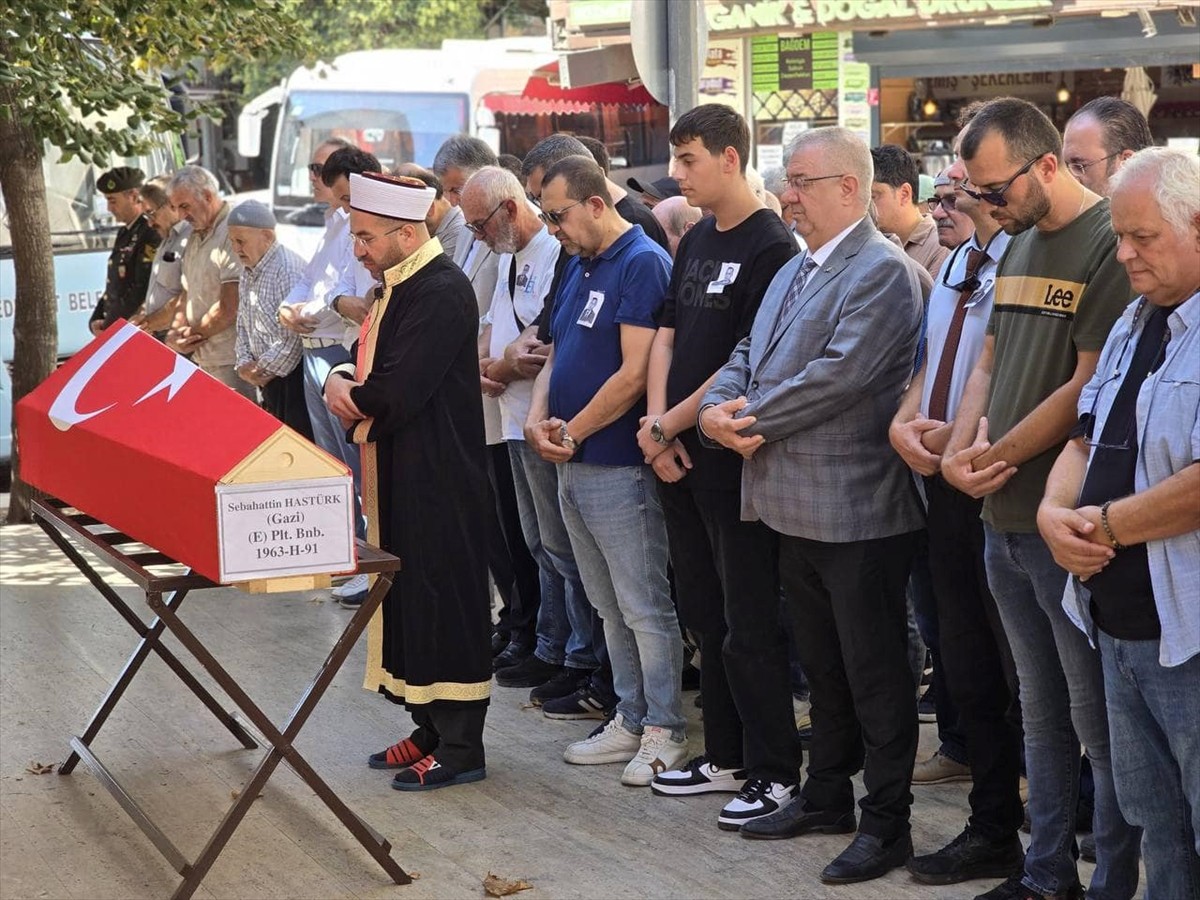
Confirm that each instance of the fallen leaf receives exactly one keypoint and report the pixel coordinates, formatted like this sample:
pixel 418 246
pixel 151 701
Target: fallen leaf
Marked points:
pixel 527 706
pixel 38 768
pixel 316 599
pixel 502 887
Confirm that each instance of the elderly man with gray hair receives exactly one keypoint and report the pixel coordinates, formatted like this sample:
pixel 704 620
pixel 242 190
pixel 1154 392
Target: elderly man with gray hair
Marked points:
pixel 267 355
pixel 1121 513
pixel 204 323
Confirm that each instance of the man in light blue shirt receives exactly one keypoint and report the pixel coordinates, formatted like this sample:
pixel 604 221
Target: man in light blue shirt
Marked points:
pixel 1121 513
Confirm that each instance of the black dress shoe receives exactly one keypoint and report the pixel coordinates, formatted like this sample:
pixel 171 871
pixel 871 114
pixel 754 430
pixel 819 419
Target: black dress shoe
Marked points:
pixel 967 857
pixel 867 857
pixel 794 820
pixel 510 655
pixel 529 672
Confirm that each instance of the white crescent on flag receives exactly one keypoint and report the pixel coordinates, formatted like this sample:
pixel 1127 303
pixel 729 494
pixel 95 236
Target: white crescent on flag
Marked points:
pixel 64 411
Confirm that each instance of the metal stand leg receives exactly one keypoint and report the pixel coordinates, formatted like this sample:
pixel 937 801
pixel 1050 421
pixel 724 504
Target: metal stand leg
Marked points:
pixel 282 747
pixel 150 641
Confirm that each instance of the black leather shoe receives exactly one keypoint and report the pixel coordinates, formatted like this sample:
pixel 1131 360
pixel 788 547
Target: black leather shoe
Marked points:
pixel 967 857
pixel 510 655
pixel 529 672
pixel 867 857
pixel 794 820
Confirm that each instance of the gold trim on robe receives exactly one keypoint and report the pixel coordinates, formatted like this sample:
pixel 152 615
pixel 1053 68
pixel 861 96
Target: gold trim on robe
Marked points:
pixel 376 675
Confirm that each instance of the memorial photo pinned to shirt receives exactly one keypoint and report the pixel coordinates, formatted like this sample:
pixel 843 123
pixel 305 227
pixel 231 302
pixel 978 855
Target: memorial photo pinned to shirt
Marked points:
pixel 728 275
pixel 587 318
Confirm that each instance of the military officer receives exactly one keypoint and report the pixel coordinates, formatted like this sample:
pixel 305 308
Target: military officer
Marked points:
pixel 132 255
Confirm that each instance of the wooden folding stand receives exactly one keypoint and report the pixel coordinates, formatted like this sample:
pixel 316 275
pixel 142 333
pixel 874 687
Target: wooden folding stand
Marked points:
pixel 164 594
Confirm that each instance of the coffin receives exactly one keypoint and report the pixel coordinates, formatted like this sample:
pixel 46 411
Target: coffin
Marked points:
pixel 138 437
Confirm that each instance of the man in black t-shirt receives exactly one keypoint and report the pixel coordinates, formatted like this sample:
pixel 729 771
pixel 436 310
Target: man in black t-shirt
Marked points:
pixel 725 569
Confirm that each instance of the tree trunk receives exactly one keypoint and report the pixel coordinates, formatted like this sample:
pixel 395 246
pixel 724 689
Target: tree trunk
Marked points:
pixel 35 318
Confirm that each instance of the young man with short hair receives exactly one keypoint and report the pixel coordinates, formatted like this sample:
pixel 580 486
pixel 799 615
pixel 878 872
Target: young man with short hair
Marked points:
pixel 894 193
pixel 725 569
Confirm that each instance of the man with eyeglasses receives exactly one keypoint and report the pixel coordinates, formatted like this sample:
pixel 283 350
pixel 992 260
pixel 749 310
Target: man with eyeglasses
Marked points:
pixel 330 292
pixel 132 255
pixel 560 636
pixel 806 400
pixel 1100 136
pixel 445 220
pixel 1122 514
pixel 166 283
pixel 411 401
pixel 584 416
pixel 973 673
pixel 1058 290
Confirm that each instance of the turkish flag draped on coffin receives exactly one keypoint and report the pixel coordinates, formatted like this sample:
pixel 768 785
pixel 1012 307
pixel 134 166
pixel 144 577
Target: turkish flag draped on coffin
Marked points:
pixel 137 436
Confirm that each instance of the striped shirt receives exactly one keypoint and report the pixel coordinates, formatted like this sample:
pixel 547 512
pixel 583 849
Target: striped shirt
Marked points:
pixel 261 289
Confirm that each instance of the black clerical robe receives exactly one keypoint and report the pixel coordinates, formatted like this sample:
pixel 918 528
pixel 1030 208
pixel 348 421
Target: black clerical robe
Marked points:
pixel 424 488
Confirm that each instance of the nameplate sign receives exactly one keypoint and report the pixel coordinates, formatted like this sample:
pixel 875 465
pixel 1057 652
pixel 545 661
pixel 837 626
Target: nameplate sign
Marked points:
pixel 279 529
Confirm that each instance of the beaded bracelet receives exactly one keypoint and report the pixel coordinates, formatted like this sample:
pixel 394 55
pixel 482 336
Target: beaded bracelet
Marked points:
pixel 1117 545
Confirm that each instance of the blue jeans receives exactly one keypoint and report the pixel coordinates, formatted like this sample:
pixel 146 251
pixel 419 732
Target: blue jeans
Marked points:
pixel 328 433
pixel 1154 720
pixel 567 626
pixel 1062 685
pixel 615 521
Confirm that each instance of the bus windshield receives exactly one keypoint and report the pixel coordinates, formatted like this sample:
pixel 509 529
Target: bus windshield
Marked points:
pixel 397 128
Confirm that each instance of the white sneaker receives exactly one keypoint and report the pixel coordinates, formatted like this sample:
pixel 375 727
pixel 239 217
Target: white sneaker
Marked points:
pixel 698 777
pixel 757 799
pixel 356 585
pixel 608 744
pixel 658 753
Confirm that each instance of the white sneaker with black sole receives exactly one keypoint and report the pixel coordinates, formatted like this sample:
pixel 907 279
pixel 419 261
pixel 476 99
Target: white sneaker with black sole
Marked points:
pixel 757 799
pixel 698 777
pixel 657 753
pixel 350 594
pixel 611 743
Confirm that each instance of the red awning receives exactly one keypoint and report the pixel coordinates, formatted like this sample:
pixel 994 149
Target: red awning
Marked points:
pixel 544 94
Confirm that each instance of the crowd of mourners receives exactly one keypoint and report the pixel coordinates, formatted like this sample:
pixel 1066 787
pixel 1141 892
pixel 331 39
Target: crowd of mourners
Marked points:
pixel 910 448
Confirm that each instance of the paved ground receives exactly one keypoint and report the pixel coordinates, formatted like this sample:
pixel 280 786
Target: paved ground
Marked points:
pixel 570 831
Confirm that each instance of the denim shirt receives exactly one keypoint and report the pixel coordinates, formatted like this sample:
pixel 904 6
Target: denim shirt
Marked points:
pixel 1168 435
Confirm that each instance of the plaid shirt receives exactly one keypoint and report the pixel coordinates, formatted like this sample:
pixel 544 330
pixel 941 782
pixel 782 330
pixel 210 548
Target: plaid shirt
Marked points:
pixel 261 289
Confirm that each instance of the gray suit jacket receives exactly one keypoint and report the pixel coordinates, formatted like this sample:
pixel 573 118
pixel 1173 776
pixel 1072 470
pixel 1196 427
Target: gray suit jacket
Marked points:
pixel 824 388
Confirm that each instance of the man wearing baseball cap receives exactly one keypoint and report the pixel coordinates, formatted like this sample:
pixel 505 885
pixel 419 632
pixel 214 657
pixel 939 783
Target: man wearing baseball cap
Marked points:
pixel 133 251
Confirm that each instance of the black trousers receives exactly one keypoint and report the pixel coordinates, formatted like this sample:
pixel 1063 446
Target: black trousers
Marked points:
pixel 284 399
pixel 452 732
pixel 980 676
pixel 512 565
pixel 851 624
pixel 726 579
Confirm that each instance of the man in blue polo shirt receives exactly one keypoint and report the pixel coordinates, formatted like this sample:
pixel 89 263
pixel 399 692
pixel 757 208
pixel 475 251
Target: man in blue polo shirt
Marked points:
pixel 584 417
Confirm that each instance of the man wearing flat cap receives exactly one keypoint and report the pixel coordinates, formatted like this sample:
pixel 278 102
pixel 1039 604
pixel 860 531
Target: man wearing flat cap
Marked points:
pixel 266 354
pixel 411 401
pixel 133 251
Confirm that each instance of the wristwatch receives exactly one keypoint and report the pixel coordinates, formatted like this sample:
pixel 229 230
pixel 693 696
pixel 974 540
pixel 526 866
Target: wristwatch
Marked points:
pixel 656 433
pixel 567 440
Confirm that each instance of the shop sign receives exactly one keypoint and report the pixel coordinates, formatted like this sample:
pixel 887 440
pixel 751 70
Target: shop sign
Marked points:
pixel 759 15
pixel 1016 84
pixel 854 90
pixel 723 76
pixel 802 63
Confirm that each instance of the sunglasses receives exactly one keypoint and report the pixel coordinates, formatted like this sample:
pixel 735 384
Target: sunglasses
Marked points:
pixel 555 216
pixel 948 203
pixel 996 197
pixel 315 168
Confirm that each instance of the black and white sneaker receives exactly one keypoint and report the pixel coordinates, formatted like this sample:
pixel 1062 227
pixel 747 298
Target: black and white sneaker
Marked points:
pixel 698 777
pixel 757 799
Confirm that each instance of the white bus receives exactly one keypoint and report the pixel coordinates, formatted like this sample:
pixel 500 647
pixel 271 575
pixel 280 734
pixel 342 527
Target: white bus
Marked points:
pixel 398 104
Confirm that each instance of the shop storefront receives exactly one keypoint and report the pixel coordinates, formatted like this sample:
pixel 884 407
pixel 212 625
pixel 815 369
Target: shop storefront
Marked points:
pixel 898 71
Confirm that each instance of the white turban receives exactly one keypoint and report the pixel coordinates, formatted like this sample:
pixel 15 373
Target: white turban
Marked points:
pixel 395 197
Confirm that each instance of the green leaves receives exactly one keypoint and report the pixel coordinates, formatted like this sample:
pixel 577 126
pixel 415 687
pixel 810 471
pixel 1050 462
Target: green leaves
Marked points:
pixel 101 58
